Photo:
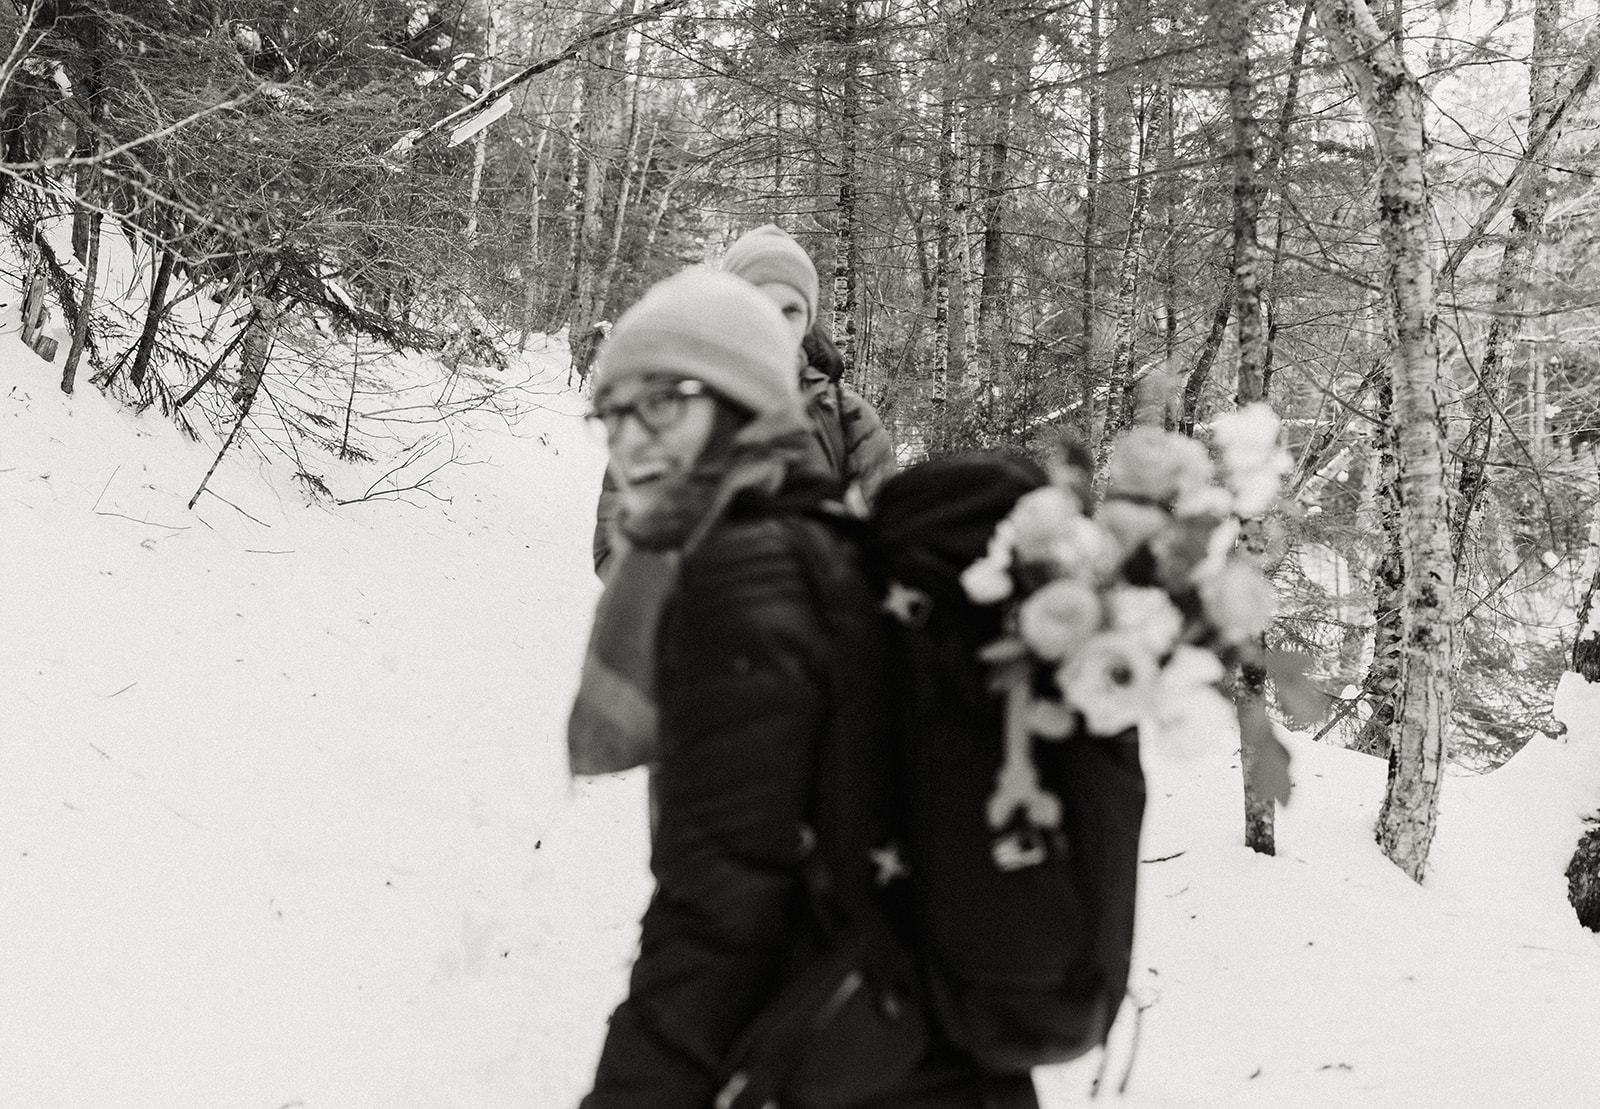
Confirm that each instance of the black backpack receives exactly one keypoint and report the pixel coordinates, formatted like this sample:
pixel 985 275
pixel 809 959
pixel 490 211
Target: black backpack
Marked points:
pixel 1024 936
pixel 1014 946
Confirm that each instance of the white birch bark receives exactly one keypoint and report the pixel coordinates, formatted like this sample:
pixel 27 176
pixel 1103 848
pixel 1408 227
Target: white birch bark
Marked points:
pixel 480 144
pixel 1391 101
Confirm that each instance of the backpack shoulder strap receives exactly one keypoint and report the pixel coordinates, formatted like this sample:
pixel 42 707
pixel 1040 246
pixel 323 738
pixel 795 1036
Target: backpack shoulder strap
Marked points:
pixel 825 409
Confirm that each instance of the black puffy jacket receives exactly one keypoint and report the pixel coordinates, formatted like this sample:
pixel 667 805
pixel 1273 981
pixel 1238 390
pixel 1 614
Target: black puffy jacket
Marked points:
pixel 770 679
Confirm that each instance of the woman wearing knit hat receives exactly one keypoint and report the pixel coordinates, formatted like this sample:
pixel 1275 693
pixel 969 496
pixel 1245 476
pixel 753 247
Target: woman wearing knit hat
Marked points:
pixel 737 647
pixel 853 440
pixel 852 436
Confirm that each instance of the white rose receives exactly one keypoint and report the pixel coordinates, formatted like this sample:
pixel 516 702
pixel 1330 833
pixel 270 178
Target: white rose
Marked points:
pixel 987 581
pixel 1040 518
pixel 1058 617
pixel 1148 614
pixel 1238 601
pixel 1246 435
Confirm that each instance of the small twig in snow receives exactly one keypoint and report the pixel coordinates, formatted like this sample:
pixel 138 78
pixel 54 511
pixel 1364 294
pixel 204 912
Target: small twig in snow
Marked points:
pixel 233 506
pixel 103 489
pixel 1133 1045
pixel 146 523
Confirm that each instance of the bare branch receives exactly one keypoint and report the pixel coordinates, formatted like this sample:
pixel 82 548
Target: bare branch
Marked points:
pixel 1546 137
pixel 132 144
pixel 604 30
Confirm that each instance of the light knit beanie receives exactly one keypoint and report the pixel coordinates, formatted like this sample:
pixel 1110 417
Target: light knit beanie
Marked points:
pixel 712 327
pixel 769 253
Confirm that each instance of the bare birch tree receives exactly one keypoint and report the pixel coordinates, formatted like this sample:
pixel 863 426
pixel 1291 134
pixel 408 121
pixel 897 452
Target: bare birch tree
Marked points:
pixel 1391 102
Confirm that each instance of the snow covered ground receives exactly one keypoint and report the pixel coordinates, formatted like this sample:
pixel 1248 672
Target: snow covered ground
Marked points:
pixel 284 818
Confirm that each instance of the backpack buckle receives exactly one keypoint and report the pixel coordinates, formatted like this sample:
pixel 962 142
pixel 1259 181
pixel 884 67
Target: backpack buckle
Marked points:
pixel 908 604
pixel 728 1096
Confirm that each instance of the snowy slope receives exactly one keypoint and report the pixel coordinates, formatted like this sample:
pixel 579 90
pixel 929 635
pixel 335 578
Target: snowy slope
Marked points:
pixel 286 809
pixel 285 818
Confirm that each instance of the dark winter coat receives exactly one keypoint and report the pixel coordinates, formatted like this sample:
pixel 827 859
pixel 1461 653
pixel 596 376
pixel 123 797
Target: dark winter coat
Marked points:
pixel 853 438
pixel 854 442
pixel 771 688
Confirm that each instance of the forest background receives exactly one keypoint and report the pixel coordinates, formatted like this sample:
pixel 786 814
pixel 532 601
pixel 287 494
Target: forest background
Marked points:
pixel 1031 218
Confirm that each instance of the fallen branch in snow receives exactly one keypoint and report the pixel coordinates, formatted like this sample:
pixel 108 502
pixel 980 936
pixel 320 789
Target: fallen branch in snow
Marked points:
pixel 104 487
pixel 228 442
pixel 95 508
pixel 373 493
pixel 233 506
pixel 146 523
pixel 420 486
pixel 1350 704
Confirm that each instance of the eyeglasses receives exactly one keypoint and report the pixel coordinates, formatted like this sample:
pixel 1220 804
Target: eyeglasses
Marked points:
pixel 656 409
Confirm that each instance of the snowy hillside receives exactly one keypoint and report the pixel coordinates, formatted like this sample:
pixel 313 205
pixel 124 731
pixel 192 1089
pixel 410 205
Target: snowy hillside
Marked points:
pixel 286 822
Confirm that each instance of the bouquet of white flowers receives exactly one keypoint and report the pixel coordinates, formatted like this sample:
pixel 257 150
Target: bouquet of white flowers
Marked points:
pixel 1131 617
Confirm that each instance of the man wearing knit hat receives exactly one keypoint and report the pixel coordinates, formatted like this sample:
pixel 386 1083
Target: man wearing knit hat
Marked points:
pixel 852 437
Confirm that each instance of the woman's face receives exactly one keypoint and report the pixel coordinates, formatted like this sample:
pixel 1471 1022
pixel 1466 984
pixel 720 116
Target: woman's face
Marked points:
pixel 656 428
pixel 790 303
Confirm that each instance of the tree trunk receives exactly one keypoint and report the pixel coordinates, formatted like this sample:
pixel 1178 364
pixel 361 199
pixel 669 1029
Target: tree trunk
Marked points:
pixel 994 309
pixel 847 246
pixel 963 321
pixel 1381 687
pixel 1510 294
pixel 1093 153
pixel 1274 168
pixel 80 329
pixel 1233 30
pixel 20 104
pixel 1200 373
pixel 943 229
pixel 533 277
pixel 350 402
pixel 480 145
pixel 83 218
pixel 152 318
pixel 624 131
pixel 1583 872
pixel 1130 272
pixel 1391 101
pixel 779 173
pixel 1586 645
pixel 576 179
pixel 626 188
pixel 1167 262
